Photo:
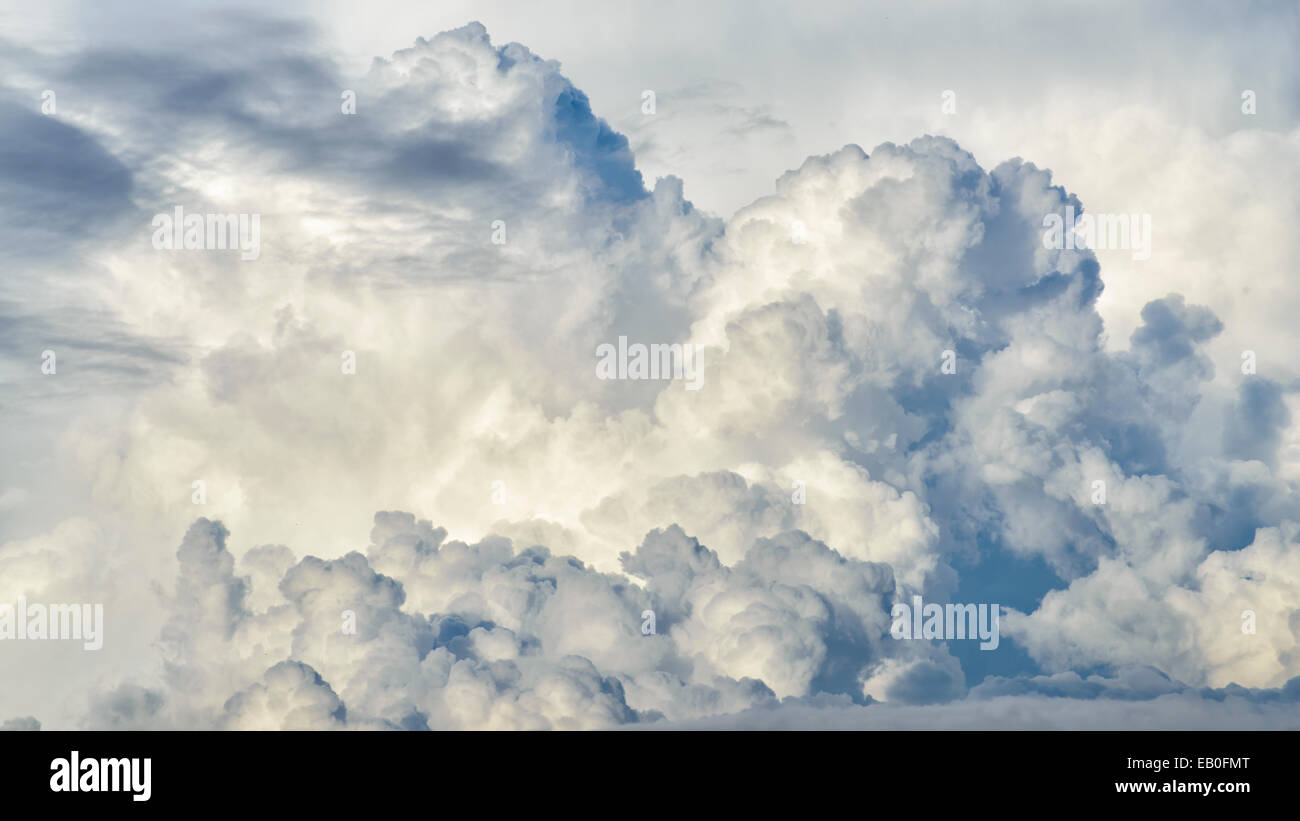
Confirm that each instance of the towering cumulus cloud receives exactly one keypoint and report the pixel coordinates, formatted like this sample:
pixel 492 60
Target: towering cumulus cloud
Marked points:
pixel 902 392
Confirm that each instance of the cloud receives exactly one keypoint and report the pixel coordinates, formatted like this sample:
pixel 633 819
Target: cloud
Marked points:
pixel 1267 710
pixel 485 635
pixel 903 391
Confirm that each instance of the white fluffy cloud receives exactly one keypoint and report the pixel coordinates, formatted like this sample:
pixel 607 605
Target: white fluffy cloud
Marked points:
pixel 827 466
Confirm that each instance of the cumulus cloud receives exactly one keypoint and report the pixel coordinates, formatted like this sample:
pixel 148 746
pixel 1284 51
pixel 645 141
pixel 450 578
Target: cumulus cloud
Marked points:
pixel 903 392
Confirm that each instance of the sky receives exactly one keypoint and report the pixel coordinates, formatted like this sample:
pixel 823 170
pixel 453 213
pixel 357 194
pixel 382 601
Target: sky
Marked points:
pixel 369 469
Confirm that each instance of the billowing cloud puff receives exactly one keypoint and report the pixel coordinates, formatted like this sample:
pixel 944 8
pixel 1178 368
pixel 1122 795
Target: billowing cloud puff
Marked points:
pixel 491 636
